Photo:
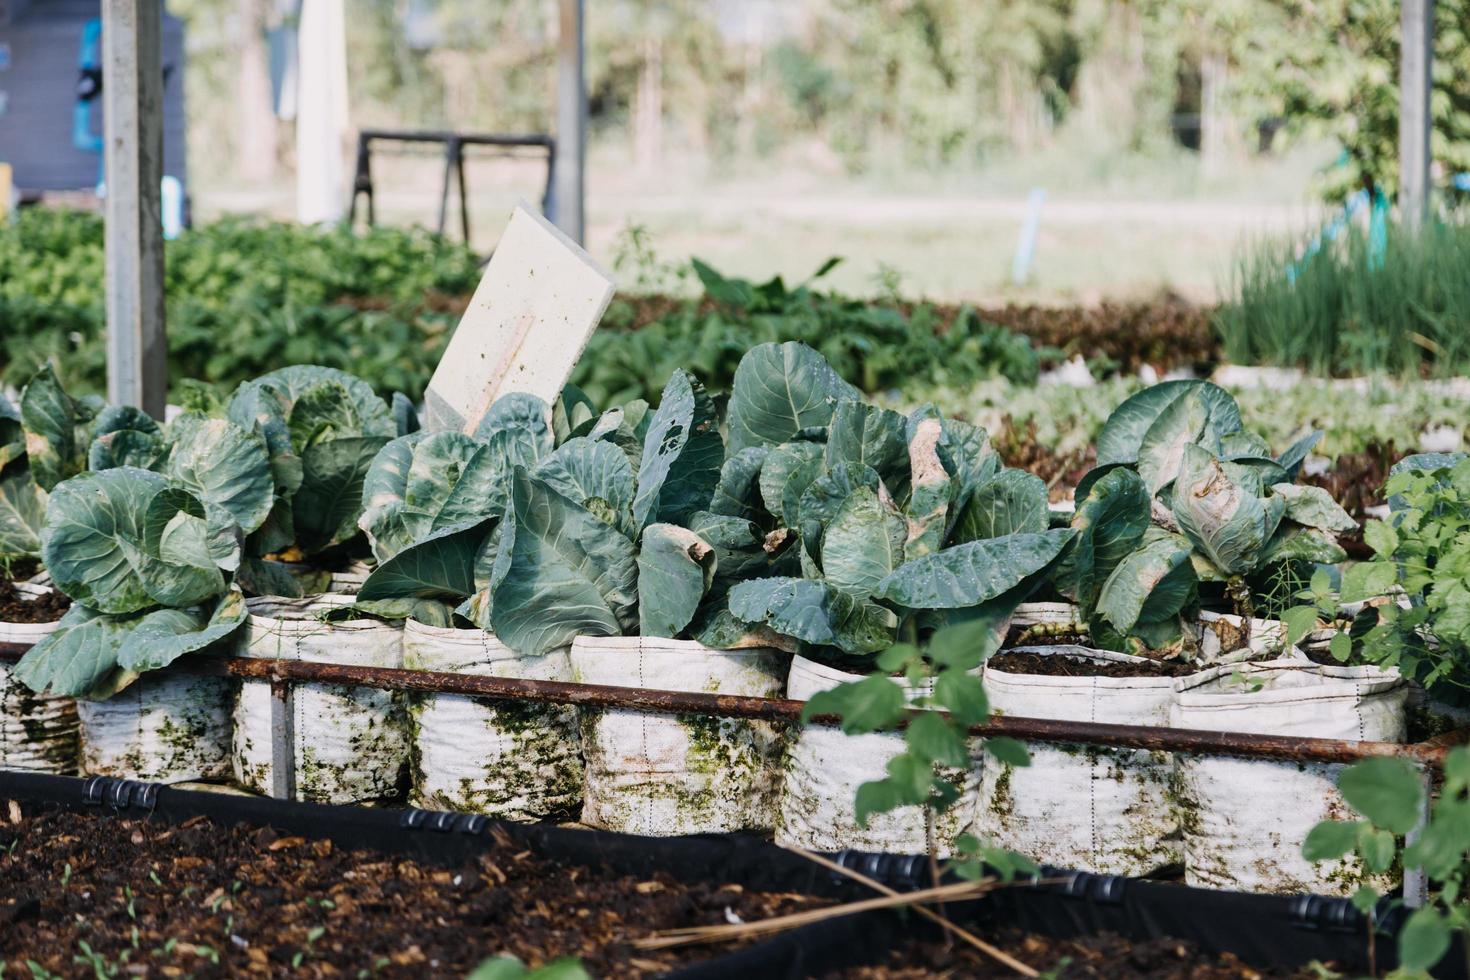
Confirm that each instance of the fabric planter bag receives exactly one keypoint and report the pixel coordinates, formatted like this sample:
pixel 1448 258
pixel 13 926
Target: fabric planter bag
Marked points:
pixel 1222 638
pixel 351 743
pixel 514 760
pixel 1244 820
pixel 1108 811
pixel 38 732
pixel 662 774
pixel 165 727
pixel 824 769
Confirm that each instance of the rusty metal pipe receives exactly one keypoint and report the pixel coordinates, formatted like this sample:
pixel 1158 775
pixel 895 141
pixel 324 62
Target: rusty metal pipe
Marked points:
pixel 1277 747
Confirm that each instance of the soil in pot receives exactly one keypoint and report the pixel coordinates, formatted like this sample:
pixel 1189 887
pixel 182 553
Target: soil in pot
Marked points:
pixel 19 570
pixel 1104 810
pixel 204 900
pixel 657 775
pixel 351 743
pixel 17 607
pixel 1028 662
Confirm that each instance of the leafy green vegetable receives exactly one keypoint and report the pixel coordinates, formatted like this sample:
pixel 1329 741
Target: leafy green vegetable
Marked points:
pixel 125 540
pixel 1182 494
pixel 560 572
pixel 895 519
pixel 1423 549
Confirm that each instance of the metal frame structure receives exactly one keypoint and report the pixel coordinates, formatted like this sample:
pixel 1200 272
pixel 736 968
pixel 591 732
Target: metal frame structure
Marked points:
pixel 282 673
pixel 1427 756
pixel 454 144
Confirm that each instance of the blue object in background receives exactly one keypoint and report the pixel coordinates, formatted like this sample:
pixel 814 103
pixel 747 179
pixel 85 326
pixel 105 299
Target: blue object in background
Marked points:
pixel 1333 228
pixel 82 136
pixel 1026 246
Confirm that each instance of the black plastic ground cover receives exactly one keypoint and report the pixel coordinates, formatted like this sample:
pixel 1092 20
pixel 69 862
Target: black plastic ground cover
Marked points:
pixel 1263 930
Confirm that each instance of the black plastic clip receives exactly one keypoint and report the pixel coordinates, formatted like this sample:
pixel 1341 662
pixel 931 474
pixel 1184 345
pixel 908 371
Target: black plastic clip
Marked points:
pixel 443 821
pixel 1326 914
pixel 899 871
pixel 120 794
pixel 1101 889
pixel 1340 915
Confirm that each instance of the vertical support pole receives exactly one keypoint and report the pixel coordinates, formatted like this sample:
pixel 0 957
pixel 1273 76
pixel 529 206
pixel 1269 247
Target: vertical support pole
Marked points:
pixel 283 739
pixel 1026 244
pixel 137 353
pixel 1416 56
pixel 464 198
pixel 444 187
pixel 1416 882
pixel 569 191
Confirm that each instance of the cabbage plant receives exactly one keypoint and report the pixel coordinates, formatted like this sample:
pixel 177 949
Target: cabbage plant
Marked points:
pixel 43 441
pixel 322 428
pixel 882 524
pixel 148 556
pixel 550 521
pixel 1181 495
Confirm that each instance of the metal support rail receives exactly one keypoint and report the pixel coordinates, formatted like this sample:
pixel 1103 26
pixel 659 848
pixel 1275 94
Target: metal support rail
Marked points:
pixel 1277 747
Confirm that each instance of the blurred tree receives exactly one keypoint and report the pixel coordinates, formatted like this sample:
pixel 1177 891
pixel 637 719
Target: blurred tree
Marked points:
pixel 1332 66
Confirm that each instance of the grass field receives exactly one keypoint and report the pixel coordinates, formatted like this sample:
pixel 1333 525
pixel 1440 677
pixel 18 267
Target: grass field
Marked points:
pixel 1119 232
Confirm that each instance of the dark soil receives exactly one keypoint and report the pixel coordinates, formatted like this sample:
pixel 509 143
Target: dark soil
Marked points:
pixel 19 569
pixel 1055 665
pixel 1101 956
pixel 16 608
pixel 1166 332
pixel 88 896
pixel 202 900
pixel 1355 481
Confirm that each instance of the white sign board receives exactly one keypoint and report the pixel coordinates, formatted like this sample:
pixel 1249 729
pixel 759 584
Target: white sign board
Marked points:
pixel 527 324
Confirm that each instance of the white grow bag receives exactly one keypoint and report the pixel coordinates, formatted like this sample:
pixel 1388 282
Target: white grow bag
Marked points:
pixel 38 732
pixel 350 743
pixel 511 760
pixel 662 774
pixel 1096 809
pixel 824 769
pixel 164 727
pixel 1063 614
pixel 1244 820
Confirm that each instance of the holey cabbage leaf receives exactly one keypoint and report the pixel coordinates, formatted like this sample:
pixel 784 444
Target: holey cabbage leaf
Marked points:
pixel 896 522
pixel 148 566
pixel 1183 495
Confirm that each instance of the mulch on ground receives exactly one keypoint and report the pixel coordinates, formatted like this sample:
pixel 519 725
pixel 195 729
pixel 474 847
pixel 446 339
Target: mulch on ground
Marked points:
pixel 196 899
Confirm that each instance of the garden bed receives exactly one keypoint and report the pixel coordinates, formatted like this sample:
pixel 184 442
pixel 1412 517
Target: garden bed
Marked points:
pixel 1102 956
pixel 79 891
pixel 210 900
